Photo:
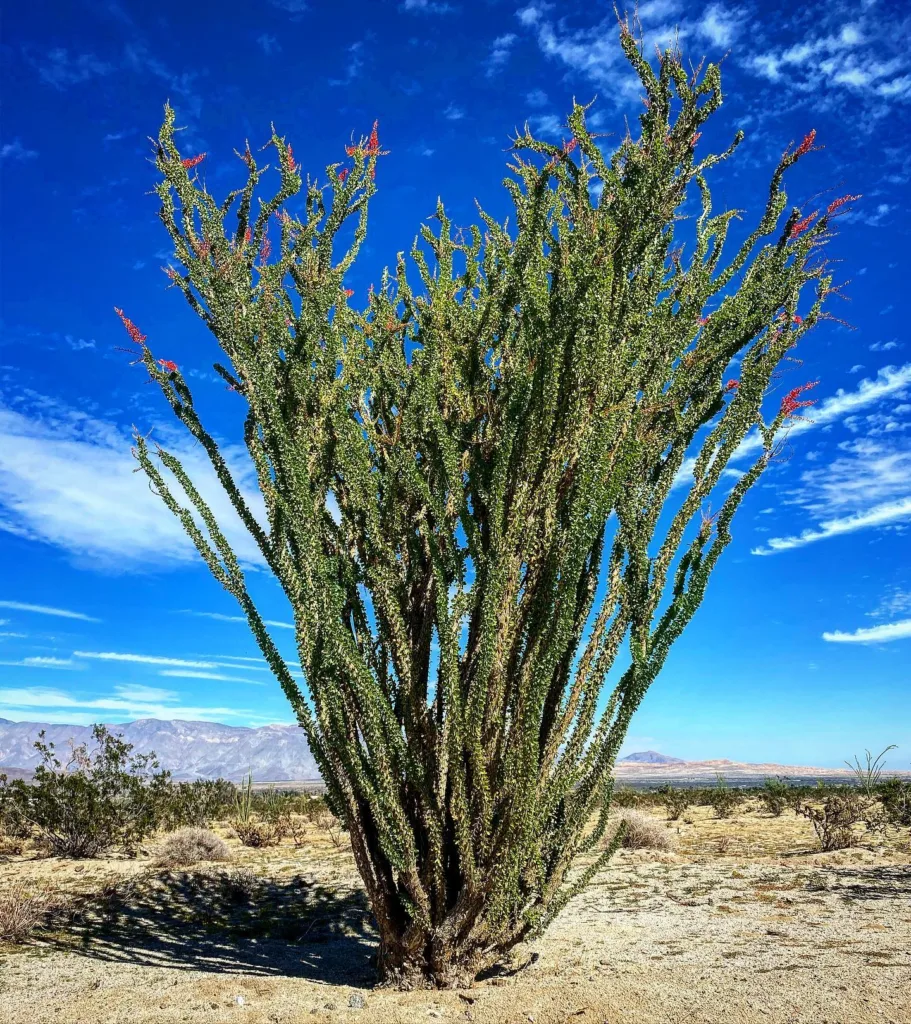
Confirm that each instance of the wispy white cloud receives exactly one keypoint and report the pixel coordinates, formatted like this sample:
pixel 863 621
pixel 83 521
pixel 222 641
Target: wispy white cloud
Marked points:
pixel 182 668
pixel 69 480
pixel 61 70
pixel 547 125
pixel 139 59
pixel 895 602
pixel 354 63
pixel 426 7
pixel 27 703
pixel 291 6
pixel 872 634
pixel 499 52
pixel 218 617
pixel 237 657
pixel 886 514
pixel 185 673
pixel 16 151
pixel 142 659
pixel 864 57
pixel 453 113
pixel 720 25
pixel 42 609
pixel 43 662
pixel 867 471
pixel 268 44
pixel 889 383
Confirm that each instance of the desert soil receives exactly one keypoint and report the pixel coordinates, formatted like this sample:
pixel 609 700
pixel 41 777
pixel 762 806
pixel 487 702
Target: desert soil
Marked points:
pixel 742 923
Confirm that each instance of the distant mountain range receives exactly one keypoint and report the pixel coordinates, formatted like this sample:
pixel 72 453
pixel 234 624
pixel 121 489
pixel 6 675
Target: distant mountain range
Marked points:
pixel 190 750
pixel 279 753
pixel 650 757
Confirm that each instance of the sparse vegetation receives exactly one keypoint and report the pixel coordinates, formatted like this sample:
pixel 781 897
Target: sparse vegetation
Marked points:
pixel 835 821
pixel 259 820
pixel 190 846
pixel 724 799
pixel 642 832
pixel 774 796
pixel 197 803
pixel 23 906
pixel 895 795
pixel 675 801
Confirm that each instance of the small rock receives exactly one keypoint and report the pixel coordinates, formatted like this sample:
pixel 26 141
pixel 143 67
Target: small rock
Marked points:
pixel 356 1002
pixel 239 1000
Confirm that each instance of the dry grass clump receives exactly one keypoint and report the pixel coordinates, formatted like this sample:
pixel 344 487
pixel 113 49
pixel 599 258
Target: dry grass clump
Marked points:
pixel 190 846
pixel 644 832
pixel 22 908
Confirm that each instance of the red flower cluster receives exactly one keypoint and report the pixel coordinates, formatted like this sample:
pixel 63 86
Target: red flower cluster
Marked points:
pixel 373 143
pixel 349 292
pixel 265 251
pixel 837 204
pixel 568 147
pixel 201 249
pixel 248 234
pixel 291 164
pixel 695 138
pixel 791 401
pixel 702 320
pixel 732 385
pixel 804 147
pixel 167 364
pixel 171 272
pixel 802 225
pixel 135 334
pixel 798 320
pixel 192 161
pixel 342 174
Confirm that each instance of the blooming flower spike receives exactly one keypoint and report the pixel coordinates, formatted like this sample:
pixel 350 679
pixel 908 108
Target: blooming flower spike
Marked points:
pixel 135 334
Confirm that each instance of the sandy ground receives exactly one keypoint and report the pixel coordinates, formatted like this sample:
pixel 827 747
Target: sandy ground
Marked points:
pixel 742 923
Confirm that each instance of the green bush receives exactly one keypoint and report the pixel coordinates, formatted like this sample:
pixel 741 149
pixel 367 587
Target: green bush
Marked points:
pixel 259 819
pixel 675 801
pixel 834 821
pixel 724 799
pixel 95 800
pixel 627 798
pixel 196 804
pixel 774 796
pixel 896 800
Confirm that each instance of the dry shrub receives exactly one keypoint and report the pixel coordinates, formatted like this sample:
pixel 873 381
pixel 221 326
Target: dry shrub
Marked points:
pixel 190 846
pixel 22 909
pixel 10 846
pixel 257 833
pixel 240 885
pixel 834 822
pixel 644 833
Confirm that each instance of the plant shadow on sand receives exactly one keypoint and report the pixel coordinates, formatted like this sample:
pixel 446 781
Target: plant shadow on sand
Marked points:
pixel 878 883
pixel 232 922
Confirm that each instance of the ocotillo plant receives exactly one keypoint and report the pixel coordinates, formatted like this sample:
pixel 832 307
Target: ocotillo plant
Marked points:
pixel 481 490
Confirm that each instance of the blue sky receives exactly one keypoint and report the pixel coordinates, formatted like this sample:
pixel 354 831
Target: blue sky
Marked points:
pixel 801 652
